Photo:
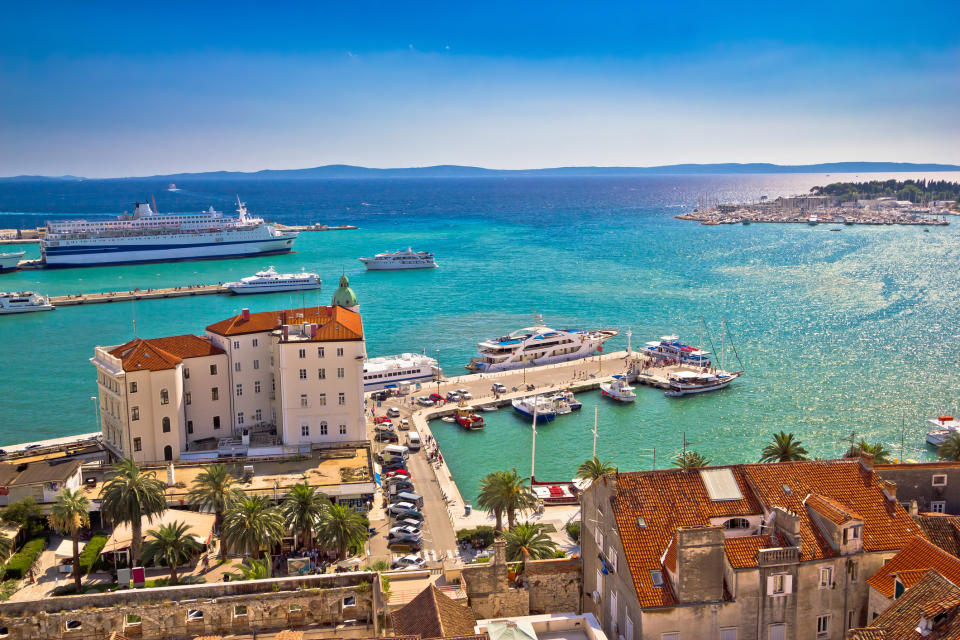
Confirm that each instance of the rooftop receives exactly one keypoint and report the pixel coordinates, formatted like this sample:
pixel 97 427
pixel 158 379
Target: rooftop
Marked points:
pixel 334 323
pixel 934 600
pixel 15 474
pixel 942 530
pixel 918 556
pixel 434 615
pixel 157 354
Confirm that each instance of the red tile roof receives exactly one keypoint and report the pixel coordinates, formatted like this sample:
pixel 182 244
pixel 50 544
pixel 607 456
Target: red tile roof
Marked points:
pixel 157 354
pixel 944 464
pixel 942 529
pixel 931 597
pixel 918 555
pixel 830 509
pixel 742 551
pixel 431 614
pixel 335 323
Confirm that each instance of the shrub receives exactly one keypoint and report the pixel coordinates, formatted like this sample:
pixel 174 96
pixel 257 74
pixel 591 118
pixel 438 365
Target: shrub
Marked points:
pixel 481 537
pixel 90 554
pixel 20 562
pixel 573 530
pixel 559 553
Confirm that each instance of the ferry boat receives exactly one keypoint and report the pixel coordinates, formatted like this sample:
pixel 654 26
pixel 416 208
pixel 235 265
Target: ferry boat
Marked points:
pixel 618 389
pixel 10 261
pixel 941 428
pixel 23 302
pixel 407 259
pixel 538 345
pixel 146 236
pixel 670 349
pixel 685 383
pixel 388 371
pixel 539 405
pixel 468 418
pixel 269 281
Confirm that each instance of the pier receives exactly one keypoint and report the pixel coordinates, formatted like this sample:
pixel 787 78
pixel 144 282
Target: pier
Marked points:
pixel 137 294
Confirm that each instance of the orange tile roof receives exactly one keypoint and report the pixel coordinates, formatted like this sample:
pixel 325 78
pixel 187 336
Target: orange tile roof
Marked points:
pixel 335 323
pixel 942 529
pixel 933 595
pixel 944 464
pixel 432 614
pixel 830 509
pixel 742 551
pixel 918 555
pixel 157 354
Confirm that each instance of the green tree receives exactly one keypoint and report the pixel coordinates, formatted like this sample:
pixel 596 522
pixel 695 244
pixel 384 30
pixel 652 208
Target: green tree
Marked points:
pixel 129 496
pixel 69 514
pixel 22 512
pixel 593 468
pixel 341 527
pixel 505 492
pixel 251 525
pixel 253 569
pixel 302 509
pixel 950 449
pixel 881 455
pixel 783 448
pixel 690 460
pixel 528 541
pixel 171 544
pixel 214 489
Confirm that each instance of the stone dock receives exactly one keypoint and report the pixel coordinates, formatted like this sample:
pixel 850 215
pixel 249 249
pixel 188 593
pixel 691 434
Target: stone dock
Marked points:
pixel 137 294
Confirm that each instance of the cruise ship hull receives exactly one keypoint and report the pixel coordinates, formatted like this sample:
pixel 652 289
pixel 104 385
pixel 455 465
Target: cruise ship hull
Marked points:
pixel 487 367
pixel 121 253
pixel 374 266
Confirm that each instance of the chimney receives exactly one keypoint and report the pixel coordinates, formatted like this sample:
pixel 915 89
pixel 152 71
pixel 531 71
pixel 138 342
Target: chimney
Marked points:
pixel 245 314
pixel 866 460
pixel 700 558
pixel 914 509
pixel 286 332
pixel 313 331
pixel 889 490
pixel 499 551
pixel 787 524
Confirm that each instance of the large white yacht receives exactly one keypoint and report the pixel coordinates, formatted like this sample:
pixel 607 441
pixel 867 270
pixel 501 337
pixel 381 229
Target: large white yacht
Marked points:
pixel 406 259
pixel 23 302
pixel 941 428
pixel 10 261
pixel 538 345
pixel 269 281
pixel 388 371
pixel 147 236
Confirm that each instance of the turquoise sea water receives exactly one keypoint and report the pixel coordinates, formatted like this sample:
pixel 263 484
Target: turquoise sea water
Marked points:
pixel 839 331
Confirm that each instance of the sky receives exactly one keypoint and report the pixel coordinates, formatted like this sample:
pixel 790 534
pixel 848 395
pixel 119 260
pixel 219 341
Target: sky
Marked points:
pixel 104 89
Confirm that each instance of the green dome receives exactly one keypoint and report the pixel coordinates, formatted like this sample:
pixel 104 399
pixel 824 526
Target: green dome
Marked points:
pixel 344 295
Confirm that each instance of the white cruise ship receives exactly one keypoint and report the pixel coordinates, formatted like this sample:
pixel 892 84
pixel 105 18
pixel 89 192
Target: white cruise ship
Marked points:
pixel 538 345
pixel 147 236
pixel 23 302
pixel 407 259
pixel 388 371
pixel 269 281
pixel 10 261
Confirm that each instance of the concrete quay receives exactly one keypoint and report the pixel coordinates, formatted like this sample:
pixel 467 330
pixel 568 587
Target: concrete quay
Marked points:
pixel 137 294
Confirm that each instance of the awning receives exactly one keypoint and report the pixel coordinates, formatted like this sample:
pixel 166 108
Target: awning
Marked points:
pixel 65 549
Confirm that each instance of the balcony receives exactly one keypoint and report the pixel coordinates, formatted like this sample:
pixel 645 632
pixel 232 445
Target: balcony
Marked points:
pixel 778 555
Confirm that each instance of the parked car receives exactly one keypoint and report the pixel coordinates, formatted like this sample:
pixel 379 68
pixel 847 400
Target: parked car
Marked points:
pixel 404 529
pixel 396 465
pixel 404 425
pixel 404 538
pixel 409 546
pixel 411 514
pixel 498 388
pixel 393 412
pixel 410 522
pixel 400 486
pixel 424 401
pixel 453 397
pixel 393 473
pixel 382 420
pixel 409 561
pixel 383 435
pixel 436 397
pixel 400 507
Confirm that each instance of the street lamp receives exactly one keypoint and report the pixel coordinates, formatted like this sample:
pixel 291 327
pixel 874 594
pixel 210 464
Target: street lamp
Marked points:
pixel 438 371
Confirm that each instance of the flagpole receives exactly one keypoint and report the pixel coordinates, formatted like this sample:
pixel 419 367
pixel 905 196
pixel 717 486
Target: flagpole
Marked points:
pixel 595 432
pixel 533 450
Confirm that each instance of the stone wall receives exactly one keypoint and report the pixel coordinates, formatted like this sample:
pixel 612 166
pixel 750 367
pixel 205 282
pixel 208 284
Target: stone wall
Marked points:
pixel 554 585
pixel 915 482
pixel 489 593
pixel 188 611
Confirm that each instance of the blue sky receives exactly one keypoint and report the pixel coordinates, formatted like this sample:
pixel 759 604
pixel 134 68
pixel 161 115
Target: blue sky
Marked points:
pixel 112 89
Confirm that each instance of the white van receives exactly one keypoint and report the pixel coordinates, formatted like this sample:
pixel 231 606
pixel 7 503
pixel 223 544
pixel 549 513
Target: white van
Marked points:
pixel 396 451
pixel 413 441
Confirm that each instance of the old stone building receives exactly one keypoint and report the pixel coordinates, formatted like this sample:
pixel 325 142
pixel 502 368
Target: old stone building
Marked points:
pixel 929 610
pixel 935 486
pixel 906 569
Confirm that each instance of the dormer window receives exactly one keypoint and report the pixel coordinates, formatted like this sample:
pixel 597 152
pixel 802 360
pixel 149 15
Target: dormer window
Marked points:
pixel 736 523
pixel 657 578
pixel 852 533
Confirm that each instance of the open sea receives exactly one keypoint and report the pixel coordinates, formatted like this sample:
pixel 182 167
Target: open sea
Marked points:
pixel 839 332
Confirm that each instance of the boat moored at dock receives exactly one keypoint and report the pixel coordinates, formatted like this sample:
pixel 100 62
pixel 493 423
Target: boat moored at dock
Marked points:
pixel 670 350
pixel 23 302
pixel 269 281
pixel 468 418
pixel 10 261
pixel 941 428
pixel 540 406
pixel 685 383
pixel 406 259
pixel 389 371
pixel 618 389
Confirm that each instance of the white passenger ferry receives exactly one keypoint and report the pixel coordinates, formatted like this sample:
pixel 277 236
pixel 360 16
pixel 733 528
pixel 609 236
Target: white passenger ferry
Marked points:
pixel 388 371
pixel 669 350
pixel 538 345
pixel 23 302
pixel 146 236
pixel 10 261
pixel 269 281
pixel 407 259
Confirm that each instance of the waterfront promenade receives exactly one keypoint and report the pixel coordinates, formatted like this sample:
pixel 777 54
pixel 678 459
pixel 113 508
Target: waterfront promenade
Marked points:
pixel 137 294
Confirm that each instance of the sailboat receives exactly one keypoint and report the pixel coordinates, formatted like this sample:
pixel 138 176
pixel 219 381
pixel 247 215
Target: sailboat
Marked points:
pixel 685 383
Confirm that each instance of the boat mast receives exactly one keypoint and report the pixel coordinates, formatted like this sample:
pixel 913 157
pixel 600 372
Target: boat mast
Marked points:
pixel 700 344
pixel 533 448
pixel 595 432
pixel 723 334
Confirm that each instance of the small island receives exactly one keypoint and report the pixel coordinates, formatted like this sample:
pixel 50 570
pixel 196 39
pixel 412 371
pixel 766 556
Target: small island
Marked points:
pixel 887 202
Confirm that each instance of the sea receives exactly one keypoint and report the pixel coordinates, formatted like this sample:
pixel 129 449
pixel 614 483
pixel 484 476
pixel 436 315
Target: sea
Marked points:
pixel 840 333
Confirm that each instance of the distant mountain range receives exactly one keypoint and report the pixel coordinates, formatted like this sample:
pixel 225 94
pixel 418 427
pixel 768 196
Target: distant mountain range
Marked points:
pixel 459 171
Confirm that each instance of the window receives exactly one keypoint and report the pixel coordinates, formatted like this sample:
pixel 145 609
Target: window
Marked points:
pixel 214 393
pixel 777 632
pixel 598 536
pixel 187 398
pixel 256 364
pixel 255 343
pixel 213 369
pixel 296 608
pixel 303 401
pixel 339 372
pixel 323 428
pixel 612 557
pixel 133 389
pixel 164 396
pixel 236 344
pixel 257 416
pixel 186 373
pixel 736 523
pixel 853 571
pixel 823 625
pixel 343 429
pixel 339 352
pixel 341 398
pixel 728 634
pixel 673 635
pixel 239 417
pixel 236 366
pixel 303 374
pixel 189 426
pixel 132 619
pixel 322 374
pixel 323 399
pixel 826 577
pixel 303 353
pixel 939 480
pixel 319 352
pixel 628 632
pixel 938 506
pixel 600 582
pixel 657 577
pixel 165 425
pixel 135 413
pixel 350 601
pixel 239 390
pixel 239 610
pixel 779 584
pixel 72 625
pixel 216 422
pixel 256 386
pixel 136 444
pixel 850 615
pixel 194 614
pixel 613 607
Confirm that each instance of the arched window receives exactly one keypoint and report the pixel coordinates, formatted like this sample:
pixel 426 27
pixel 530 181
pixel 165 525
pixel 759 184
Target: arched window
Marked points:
pixel 168 453
pixel 736 523
pixel 165 425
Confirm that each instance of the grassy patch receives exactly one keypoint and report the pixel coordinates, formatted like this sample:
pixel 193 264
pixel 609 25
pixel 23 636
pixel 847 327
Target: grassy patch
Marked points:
pixel 20 562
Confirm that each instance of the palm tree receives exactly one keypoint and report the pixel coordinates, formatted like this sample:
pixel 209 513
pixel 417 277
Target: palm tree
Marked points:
pixel 69 514
pixel 214 489
pixel 129 496
pixel 341 527
pixel 783 448
pixel 490 497
pixel 6 548
pixel 528 541
pixel 506 492
pixel 171 544
pixel 302 508
pixel 252 524
pixel 950 449
pixel 881 455
pixel 594 468
pixel 252 569
pixel 690 460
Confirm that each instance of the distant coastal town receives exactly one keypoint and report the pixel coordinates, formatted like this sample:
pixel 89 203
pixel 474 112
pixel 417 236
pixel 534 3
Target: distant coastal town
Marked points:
pixel 872 203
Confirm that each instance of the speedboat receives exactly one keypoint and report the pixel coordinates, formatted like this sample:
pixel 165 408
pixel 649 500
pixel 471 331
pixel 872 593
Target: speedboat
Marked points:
pixel 569 398
pixel 407 259
pixel 538 345
pixel 941 428
pixel 618 389
pixel 23 302
pixel 670 350
pixel 10 261
pixel 542 406
pixel 685 383
pixel 269 281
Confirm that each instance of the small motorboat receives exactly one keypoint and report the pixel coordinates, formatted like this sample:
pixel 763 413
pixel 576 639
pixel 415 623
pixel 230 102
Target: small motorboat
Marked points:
pixel 618 389
pixel 448 419
pixel 541 406
pixel 489 407
pixel 467 418
pixel 567 395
